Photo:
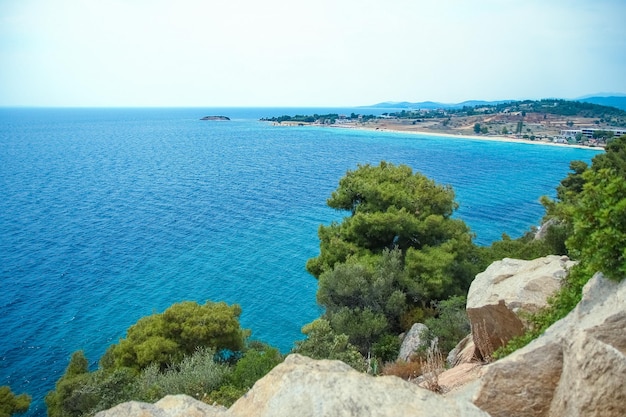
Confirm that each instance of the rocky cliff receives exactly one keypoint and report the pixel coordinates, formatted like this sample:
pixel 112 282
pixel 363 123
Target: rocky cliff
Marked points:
pixel 577 368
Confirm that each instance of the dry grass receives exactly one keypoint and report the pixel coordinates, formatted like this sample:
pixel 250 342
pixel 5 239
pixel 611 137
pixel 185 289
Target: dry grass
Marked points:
pixel 483 342
pixel 433 366
pixel 402 369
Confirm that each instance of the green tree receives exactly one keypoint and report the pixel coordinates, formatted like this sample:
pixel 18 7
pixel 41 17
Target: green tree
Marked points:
pixel 167 337
pixel 477 128
pixel 12 404
pixel 399 251
pixel 323 343
pixel 390 206
pixel 66 399
pixel 254 365
pixel 590 208
pixel 450 324
pixel 599 223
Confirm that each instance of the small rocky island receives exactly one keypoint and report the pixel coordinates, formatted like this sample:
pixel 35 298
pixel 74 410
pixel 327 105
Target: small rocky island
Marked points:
pixel 215 118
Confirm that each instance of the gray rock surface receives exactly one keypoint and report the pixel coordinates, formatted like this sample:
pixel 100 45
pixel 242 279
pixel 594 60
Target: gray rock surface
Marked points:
pixel 576 368
pixel 412 341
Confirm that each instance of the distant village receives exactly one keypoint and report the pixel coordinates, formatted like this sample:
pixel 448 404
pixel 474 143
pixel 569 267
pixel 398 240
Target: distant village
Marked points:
pixel 550 121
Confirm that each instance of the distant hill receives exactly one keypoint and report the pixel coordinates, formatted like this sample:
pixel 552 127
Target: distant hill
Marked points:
pixel 432 105
pixel 617 101
pixel 612 101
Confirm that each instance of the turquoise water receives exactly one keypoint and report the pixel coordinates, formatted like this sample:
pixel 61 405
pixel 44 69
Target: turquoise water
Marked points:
pixel 108 215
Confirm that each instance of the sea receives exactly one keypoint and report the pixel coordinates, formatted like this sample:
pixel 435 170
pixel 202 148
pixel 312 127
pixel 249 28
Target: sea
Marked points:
pixel 111 214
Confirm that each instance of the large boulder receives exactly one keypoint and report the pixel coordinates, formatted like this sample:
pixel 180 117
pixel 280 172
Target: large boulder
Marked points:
pixel 169 406
pixel 412 341
pixel 304 387
pixel 576 368
pixel 506 288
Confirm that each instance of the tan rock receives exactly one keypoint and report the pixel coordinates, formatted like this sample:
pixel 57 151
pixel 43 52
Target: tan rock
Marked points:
pixel 186 406
pixel 304 387
pixel 169 406
pixel 459 376
pixel 576 368
pixel 463 352
pixel 506 288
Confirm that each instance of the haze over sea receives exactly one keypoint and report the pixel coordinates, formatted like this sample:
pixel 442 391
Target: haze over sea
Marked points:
pixel 108 215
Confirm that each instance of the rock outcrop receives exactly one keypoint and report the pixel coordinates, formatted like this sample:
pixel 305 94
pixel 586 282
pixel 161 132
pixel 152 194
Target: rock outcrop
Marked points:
pixel 412 341
pixel 305 387
pixel 463 352
pixel 506 288
pixel 169 406
pixel 576 368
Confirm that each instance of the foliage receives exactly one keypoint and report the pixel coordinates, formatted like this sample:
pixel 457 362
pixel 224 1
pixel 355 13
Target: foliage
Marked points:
pixel 63 401
pixel 196 375
pixel 591 209
pixel 450 324
pixel 12 404
pixel 254 365
pixel 202 373
pixel 80 392
pixel 323 343
pixel 166 338
pixel 363 301
pixel 397 252
pixel 599 223
pixel 387 348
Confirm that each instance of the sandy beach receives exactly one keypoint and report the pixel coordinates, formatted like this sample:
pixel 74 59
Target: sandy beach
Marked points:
pixel 391 127
pixel 423 132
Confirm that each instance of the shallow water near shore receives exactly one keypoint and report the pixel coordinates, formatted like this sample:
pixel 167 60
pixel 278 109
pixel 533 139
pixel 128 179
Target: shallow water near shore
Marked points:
pixel 108 215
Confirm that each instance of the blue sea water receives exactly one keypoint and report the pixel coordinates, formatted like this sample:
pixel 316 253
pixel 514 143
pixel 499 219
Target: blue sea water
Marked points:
pixel 108 215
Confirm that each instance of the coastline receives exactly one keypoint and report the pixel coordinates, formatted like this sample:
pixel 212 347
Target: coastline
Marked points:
pixel 496 138
pixel 425 132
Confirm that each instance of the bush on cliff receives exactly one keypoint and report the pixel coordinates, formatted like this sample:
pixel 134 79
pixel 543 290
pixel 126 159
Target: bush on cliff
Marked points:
pixel 591 208
pixel 12 404
pixel 181 351
pixel 166 338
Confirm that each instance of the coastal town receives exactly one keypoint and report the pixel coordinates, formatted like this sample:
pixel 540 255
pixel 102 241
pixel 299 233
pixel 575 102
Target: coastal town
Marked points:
pixel 556 122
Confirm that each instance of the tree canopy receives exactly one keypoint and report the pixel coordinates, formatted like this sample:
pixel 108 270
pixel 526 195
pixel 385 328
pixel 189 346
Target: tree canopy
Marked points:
pixel 166 338
pixel 398 251
pixel 12 404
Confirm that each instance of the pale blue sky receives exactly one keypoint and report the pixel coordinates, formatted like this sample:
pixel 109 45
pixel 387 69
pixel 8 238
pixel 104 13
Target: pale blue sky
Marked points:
pixel 313 53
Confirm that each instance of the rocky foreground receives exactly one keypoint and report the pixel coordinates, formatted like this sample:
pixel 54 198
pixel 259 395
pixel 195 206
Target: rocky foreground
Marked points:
pixel 577 368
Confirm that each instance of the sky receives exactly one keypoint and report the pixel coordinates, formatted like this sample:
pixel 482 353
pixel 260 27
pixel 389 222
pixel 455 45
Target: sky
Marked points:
pixel 217 53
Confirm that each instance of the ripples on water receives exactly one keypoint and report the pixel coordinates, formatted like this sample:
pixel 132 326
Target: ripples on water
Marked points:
pixel 108 215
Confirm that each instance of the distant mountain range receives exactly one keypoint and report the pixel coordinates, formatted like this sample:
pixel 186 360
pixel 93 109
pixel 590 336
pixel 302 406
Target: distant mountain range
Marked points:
pixel 618 101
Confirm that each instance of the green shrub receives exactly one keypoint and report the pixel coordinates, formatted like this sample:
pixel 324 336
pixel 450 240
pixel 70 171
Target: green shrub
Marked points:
pixel 387 348
pixel 450 324
pixel 12 404
pixel 196 376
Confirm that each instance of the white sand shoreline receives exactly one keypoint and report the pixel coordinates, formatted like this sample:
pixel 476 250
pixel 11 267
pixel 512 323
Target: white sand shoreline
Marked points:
pixel 464 136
